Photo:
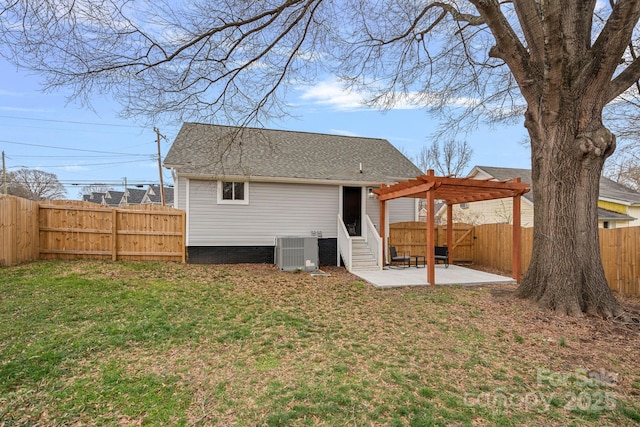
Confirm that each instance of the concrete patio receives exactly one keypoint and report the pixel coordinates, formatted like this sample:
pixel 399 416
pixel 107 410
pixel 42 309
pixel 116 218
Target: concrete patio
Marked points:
pixel 412 276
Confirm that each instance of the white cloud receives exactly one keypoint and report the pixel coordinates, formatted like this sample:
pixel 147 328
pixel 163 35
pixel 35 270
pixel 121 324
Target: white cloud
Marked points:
pixel 74 168
pixel 22 109
pixel 9 93
pixel 332 93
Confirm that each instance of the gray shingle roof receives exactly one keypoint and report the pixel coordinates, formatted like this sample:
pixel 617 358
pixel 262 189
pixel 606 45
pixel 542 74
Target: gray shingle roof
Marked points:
pixel 612 190
pixel 113 198
pixel 212 150
pixel 154 195
pixel 607 215
pixel 608 189
pixel 96 197
pixel 135 195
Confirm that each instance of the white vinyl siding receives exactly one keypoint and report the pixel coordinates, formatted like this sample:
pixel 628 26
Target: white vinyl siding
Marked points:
pixel 634 212
pixel 499 211
pixel 275 209
pixel 402 210
pixel 373 210
pixel 179 193
pixel 399 210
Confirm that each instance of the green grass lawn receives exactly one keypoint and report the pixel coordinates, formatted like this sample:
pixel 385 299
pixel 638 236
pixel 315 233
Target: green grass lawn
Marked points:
pixel 92 343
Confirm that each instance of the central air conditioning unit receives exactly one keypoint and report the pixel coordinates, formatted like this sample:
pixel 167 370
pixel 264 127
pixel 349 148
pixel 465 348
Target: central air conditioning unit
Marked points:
pixel 295 253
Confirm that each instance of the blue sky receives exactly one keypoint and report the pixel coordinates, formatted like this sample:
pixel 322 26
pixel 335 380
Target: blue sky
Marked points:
pixel 98 146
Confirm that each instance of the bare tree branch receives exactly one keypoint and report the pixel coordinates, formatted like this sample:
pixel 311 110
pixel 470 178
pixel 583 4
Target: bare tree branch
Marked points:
pixel 622 81
pixel 35 184
pixel 449 158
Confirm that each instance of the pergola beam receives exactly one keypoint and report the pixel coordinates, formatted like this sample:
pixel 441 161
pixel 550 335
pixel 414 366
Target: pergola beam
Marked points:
pixel 407 190
pixel 471 182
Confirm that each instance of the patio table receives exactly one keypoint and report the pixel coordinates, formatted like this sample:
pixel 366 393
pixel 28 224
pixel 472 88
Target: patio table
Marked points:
pixel 420 258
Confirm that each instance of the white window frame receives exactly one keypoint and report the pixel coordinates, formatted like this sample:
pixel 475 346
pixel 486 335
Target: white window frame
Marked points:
pixel 222 201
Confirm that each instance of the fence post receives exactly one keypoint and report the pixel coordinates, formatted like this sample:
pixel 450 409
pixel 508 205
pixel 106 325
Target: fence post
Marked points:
pixel 114 235
pixel 35 229
pixel 183 220
pixel 618 257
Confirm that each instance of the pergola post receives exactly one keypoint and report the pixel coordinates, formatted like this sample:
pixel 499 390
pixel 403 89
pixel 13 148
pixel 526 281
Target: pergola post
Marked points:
pixel 450 231
pixel 431 243
pixel 517 235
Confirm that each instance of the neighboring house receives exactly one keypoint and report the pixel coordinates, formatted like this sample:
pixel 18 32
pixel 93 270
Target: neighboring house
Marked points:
pixel 619 201
pixel 422 212
pixel 133 196
pixel 618 206
pixel 94 198
pixel 113 198
pixel 153 196
pixel 242 188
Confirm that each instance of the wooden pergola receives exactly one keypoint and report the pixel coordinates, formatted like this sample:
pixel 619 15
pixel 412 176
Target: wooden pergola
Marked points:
pixel 453 191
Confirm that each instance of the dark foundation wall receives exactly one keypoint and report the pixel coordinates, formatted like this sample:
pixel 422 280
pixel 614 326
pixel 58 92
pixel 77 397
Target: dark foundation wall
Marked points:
pixel 230 254
pixel 328 251
pixel 327 248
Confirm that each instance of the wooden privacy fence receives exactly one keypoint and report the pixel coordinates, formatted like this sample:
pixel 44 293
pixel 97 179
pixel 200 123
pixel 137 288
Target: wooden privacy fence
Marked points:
pixel 493 243
pixel 619 249
pixel 489 245
pixel 18 230
pixel 411 238
pixel 74 229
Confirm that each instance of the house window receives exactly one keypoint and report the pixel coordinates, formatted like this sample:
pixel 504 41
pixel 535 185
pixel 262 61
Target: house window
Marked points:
pixel 605 224
pixel 233 192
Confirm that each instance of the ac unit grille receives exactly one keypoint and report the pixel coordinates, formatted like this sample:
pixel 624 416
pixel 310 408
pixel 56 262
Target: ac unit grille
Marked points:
pixel 297 253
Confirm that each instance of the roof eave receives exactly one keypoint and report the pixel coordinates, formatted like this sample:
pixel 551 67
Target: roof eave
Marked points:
pixel 618 201
pixel 275 179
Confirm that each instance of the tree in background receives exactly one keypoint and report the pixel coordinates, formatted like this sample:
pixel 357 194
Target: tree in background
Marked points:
pixel 35 184
pixel 624 167
pixel 555 63
pixel 449 158
pixel 93 188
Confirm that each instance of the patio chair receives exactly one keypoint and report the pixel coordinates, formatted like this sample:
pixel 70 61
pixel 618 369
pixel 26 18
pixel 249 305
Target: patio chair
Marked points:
pixel 352 229
pixel 403 260
pixel 442 254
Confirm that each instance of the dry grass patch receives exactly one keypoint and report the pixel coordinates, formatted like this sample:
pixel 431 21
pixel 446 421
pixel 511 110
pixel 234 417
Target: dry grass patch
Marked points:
pixel 155 343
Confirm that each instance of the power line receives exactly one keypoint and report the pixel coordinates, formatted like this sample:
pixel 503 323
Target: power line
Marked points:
pixel 102 156
pixel 115 183
pixel 70 121
pixel 70 149
pixel 79 165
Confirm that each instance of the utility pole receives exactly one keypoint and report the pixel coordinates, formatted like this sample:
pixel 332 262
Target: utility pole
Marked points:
pixel 125 197
pixel 159 135
pixel 4 175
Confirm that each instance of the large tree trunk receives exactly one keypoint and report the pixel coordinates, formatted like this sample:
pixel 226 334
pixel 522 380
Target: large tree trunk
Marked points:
pixel 567 78
pixel 566 272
